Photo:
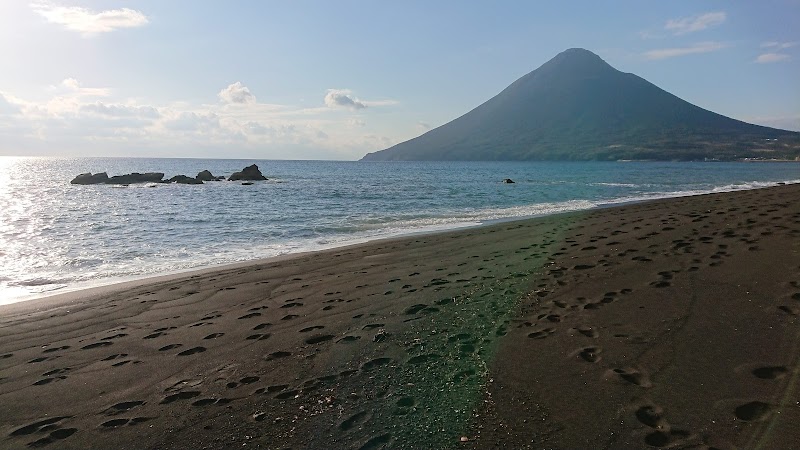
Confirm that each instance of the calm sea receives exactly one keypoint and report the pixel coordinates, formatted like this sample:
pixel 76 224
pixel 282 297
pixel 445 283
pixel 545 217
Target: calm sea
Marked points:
pixel 56 237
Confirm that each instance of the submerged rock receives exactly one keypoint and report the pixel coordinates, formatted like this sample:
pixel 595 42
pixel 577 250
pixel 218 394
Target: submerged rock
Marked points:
pixel 183 179
pixel 248 173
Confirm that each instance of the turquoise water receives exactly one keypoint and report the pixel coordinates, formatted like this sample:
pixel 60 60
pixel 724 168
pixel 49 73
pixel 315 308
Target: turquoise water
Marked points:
pixel 56 237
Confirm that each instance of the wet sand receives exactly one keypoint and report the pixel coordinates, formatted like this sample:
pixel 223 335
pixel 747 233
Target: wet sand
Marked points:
pixel 666 324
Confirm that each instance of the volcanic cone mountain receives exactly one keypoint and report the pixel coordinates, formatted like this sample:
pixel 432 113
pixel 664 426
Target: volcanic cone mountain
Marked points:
pixel 577 107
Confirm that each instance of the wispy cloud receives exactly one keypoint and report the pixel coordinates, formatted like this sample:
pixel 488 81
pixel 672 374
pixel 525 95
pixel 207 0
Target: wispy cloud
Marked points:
pixel 343 98
pixel 88 22
pixel 424 125
pixel 772 52
pixel 692 24
pixel 774 45
pixel 236 93
pixel 700 47
pixel 766 58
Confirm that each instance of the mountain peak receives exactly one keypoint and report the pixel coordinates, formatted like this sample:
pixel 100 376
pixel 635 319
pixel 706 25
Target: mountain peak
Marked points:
pixel 577 107
pixel 576 60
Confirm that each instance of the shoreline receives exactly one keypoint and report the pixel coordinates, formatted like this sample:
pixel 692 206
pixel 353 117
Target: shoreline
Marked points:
pixel 671 323
pixel 104 285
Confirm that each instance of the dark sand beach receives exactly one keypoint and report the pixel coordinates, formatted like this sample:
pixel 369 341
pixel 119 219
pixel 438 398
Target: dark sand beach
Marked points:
pixel 665 324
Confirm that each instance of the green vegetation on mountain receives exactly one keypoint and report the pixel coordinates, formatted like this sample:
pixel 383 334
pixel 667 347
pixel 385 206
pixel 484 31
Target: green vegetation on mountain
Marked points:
pixel 577 107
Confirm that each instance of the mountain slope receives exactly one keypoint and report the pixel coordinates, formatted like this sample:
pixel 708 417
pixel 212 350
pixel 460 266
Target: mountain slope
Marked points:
pixel 578 107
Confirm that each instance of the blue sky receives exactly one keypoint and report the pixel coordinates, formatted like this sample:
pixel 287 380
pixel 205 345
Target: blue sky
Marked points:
pixel 338 79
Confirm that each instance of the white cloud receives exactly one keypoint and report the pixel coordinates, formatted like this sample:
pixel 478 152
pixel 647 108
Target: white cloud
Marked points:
pixel 116 110
pixel 766 58
pixel 7 107
pixel 237 93
pixel 774 45
pixel 356 123
pixel 343 98
pixel 692 24
pixel 192 121
pixel 88 22
pixel 83 123
pixel 73 87
pixel 424 125
pixel 700 47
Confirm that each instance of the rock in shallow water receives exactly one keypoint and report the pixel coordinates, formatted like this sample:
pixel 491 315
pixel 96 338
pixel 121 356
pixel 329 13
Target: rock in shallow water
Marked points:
pixel 251 173
pixel 208 176
pixel 183 179
pixel 130 178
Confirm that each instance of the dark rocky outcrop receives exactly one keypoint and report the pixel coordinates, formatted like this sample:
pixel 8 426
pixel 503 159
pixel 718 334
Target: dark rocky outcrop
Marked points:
pixel 130 178
pixel 508 181
pixel 88 178
pixel 136 177
pixel 248 173
pixel 208 176
pixel 183 179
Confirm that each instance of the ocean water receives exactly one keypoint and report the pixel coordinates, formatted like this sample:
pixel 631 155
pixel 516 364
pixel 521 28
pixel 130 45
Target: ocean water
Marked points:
pixel 56 237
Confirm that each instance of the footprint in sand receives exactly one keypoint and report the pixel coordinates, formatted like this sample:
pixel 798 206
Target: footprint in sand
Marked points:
pixel 587 331
pixel 590 354
pixel 541 334
pixel 770 372
pixel 669 438
pixel 192 351
pixel 353 420
pixel 154 335
pixel 319 338
pixel 258 336
pixel 752 411
pixel 370 365
pixel 211 401
pixel 652 416
pixel 286 395
pixel 276 355
pixel 51 350
pixel 123 407
pixel 185 395
pixel 96 345
pixel 634 376
pixel 250 316
pixel 169 347
pixel 56 435
pixel 49 380
pixel 38 426
pixel 377 442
